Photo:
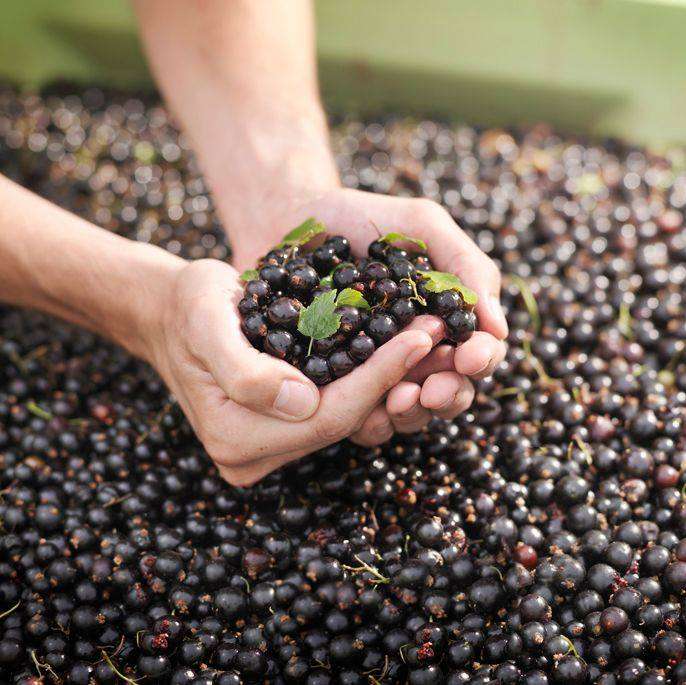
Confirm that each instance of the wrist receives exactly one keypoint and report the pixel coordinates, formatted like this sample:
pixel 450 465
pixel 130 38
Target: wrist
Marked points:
pixel 264 171
pixel 139 325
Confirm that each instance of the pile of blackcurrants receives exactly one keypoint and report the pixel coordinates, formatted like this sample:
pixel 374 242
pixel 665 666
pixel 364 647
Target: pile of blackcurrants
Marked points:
pixel 325 312
pixel 537 539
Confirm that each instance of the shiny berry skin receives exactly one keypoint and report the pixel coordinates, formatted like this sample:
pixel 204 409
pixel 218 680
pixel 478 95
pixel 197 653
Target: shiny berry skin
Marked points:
pixel 302 280
pixel 325 346
pixel 401 268
pixel 340 245
pixel 317 369
pixel 385 291
pixel 325 259
pixel 279 343
pixel 254 326
pixel 361 347
pixel 345 276
pixel 570 670
pixel 275 276
pixel 352 319
pixel 444 303
pixel 341 363
pixel 374 271
pixel 258 289
pixel 377 250
pixel 403 311
pixel 248 305
pixel 284 312
pixel 381 328
pixel 459 326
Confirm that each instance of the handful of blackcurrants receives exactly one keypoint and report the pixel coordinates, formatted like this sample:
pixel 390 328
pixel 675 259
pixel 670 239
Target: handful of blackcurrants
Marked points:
pixel 310 302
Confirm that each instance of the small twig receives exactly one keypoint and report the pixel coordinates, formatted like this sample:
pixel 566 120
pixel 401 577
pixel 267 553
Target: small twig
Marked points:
pixel 10 610
pixel 571 647
pixel 415 294
pixel 117 500
pixel 364 566
pixel 126 679
pixel 536 362
pixel 47 667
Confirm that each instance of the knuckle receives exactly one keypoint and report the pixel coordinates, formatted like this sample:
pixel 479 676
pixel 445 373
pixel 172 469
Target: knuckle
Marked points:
pixel 333 428
pixel 251 385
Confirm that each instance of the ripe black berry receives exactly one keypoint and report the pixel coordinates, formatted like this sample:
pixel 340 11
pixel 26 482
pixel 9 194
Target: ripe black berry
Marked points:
pixel 460 325
pixel 279 343
pixel 317 369
pixel 381 328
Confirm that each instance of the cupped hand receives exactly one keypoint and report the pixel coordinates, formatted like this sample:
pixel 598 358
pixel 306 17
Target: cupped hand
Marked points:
pixel 440 384
pixel 253 412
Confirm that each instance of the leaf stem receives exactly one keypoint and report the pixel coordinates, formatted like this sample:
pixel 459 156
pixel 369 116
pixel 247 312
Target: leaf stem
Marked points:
pixel 309 347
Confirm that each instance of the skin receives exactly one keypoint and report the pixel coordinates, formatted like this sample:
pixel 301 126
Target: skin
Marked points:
pixel 241 79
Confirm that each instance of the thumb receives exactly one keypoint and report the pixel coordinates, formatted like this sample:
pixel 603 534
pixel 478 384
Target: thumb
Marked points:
pixel 356 394
pixel 260 382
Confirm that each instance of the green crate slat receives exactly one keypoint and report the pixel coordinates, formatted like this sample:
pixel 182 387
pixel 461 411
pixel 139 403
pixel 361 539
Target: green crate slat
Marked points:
pixel 604 67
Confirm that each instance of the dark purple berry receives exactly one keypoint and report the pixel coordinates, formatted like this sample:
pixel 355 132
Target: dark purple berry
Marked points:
pixel 317 369
pixel 279 343
pixel 381 328
pixel 361 347
pixel 341 363
pixel 459 326
pixel 284 312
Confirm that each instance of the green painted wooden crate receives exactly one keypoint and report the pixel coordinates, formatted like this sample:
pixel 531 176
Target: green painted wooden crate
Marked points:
pixel 605 67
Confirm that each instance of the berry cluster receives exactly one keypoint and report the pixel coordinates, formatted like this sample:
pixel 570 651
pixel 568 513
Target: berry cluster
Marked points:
pixel 539 539
pixel 326 312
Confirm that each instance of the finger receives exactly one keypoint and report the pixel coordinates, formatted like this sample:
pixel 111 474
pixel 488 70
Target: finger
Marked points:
pixel 404 408
pixel 253 379
pixel 447 394
pixel 441 358
pixel 345 405
pixel 349 400
pixel 452 250
pixel 430 324
pixel 479 356
pixel 376 429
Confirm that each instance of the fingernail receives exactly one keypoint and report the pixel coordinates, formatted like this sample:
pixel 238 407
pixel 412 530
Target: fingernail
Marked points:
pixel 483 368
pixel 497 311
pixel 296 400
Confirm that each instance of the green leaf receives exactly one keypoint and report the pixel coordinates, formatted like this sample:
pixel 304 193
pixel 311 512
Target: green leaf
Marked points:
pixel 302 234
pixel 352 298
pixel 438 281
pixel 327 281
pixel 249 275
pixel 395 237
pixel 320 320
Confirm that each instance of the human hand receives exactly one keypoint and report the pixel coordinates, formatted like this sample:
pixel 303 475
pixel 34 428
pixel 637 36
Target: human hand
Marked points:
pixel 253 412
pixel 441 384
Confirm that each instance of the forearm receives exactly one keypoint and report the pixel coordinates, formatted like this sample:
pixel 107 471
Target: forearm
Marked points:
pixel 241 78
pixel 58 263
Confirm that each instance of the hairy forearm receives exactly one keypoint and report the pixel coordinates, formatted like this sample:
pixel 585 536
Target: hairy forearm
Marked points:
pixel 58 263
pixel 241 78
